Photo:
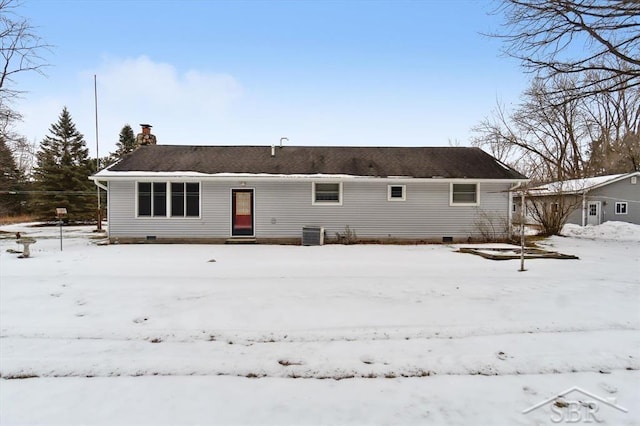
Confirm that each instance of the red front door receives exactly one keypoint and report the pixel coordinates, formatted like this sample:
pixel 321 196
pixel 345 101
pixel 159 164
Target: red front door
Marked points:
pixel 241 212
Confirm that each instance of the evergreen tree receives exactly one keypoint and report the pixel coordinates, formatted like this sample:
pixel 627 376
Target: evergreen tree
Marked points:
pixel 107 160
pixel 62 171
pixel 11 180
pixel 126 143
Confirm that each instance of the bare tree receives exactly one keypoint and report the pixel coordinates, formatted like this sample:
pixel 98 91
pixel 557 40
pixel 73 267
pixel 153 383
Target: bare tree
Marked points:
pixel 552 211
pixel 20 48
pixel 544 139
pixel 576 37
pixel 614 125
pixel 24 153
pixel 21 51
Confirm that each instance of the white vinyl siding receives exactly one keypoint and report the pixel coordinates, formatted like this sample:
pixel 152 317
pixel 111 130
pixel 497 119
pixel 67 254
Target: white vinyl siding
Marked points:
pixel 282 209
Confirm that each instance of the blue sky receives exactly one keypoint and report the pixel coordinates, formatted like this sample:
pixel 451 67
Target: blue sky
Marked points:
pixel 398 73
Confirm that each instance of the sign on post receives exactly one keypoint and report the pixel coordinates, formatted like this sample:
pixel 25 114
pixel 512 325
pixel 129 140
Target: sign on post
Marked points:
pixel 60 213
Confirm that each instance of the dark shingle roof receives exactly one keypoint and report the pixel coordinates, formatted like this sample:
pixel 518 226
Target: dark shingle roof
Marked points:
pixel 418 162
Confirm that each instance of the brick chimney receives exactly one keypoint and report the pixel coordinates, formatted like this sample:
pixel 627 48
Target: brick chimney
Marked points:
pixel 145 138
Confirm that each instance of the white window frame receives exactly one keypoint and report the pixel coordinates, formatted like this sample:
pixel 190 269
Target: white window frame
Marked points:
pixel 619 207
pixel 326 203
pixel 454 204
pixel 404 193
pixel 168 200
pixel 137 200
pixel 184 216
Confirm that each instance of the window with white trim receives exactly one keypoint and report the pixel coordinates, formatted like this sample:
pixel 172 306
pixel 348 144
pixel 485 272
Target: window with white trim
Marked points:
pixel 327 193
pixel 152 199
pixel 621 208
pixel 464 194
pixel 396 192
pixel 160 199
pixel 185 199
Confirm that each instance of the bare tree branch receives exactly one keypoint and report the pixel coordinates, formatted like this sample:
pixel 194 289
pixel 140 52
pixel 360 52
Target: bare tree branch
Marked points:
pixel 21 48
pixel 556 37
pixel 21 51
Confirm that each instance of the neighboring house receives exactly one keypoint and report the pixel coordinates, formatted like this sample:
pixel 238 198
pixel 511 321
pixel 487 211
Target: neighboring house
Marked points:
pixel 217 193
pixel 598 199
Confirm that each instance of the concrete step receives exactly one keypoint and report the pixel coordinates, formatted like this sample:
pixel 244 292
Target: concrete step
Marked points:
pixel 240 240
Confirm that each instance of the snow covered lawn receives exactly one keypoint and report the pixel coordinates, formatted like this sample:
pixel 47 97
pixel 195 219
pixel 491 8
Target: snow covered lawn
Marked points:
pixel 253 334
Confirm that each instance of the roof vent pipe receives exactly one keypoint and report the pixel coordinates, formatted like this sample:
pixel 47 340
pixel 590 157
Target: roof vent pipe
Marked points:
pixel 283 139
pixel 273 150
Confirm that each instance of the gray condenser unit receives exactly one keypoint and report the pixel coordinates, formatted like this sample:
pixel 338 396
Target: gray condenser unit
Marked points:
pixel 312 236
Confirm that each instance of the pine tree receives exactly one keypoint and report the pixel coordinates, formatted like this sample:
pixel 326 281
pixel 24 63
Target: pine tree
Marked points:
pixel 126 143
pixel 11 180
pixel 62 171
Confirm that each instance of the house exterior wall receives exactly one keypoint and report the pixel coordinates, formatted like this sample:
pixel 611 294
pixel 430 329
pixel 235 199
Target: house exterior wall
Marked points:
pixel 284 206
pixel 571 203
pixel 620 191
pixel 575 216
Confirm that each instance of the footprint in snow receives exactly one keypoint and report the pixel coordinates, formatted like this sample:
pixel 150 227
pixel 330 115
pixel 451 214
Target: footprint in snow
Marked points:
pixel 501 355
pixel 528 390
pixel 288 362
pixel 607 387
pixel 367 359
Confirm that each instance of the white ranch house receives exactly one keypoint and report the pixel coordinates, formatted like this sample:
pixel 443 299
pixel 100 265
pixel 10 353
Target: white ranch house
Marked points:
pixel 171 193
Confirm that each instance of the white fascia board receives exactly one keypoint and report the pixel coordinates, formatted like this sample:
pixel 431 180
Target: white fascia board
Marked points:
pixel 106 175
pixel 578 186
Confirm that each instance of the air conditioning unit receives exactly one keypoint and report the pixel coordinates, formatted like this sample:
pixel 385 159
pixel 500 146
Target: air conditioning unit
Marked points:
pixel 312 235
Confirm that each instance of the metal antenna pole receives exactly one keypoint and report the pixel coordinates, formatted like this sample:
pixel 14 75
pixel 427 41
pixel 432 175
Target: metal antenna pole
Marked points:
pixel 95 97
pixel 522 207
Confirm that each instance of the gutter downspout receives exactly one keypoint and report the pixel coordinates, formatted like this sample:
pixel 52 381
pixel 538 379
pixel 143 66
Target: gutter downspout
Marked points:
pixel 101 186
pixel 584 209
pixel 106 189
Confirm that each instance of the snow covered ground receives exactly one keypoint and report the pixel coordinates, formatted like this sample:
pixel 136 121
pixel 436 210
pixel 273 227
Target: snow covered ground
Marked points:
pixel 364 334
pixel 619 231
